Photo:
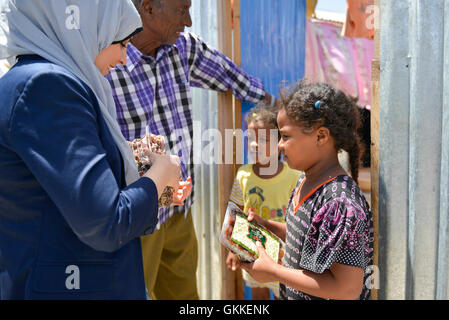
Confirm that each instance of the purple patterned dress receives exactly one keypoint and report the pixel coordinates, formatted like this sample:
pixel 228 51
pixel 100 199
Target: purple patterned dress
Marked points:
pixel 333 225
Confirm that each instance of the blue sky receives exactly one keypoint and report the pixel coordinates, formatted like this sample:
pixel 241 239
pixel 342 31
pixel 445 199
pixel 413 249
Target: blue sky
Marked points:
pixel 338 6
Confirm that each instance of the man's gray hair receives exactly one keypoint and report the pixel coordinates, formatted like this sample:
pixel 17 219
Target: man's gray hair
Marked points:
pixel 138 3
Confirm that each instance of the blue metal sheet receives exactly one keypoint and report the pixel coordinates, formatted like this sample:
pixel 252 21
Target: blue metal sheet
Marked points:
pixel 273 42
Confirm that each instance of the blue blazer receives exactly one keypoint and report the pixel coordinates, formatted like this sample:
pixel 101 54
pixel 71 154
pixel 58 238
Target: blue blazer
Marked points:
pixel 69 225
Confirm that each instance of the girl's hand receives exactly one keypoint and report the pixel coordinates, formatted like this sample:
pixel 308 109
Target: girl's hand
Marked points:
pixel 263 269
pixel 278 228
pixel 232 261
pixel 258 219
pixel 183 192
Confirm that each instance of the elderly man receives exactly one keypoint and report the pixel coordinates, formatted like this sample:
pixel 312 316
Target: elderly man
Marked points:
pixel 154 90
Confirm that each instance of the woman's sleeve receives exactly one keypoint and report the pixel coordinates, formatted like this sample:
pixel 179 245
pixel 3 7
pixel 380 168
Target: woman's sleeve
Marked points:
pixel 337 234
pixel 54 130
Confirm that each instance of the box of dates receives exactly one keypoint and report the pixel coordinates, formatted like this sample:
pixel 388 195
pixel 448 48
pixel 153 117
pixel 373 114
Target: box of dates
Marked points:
pixel 155 144
pixel 240 236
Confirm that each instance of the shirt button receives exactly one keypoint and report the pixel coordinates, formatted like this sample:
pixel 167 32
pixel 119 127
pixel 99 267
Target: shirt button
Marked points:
pixel 180 153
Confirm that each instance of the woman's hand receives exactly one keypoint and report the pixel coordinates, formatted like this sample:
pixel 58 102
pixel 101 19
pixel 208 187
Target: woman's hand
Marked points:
pixel 263 269
pixel 232 261
pixel 184 191
pixel 165 170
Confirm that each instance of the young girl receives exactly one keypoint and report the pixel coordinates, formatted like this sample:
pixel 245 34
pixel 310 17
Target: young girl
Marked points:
pixel 329 226
pixel 256 187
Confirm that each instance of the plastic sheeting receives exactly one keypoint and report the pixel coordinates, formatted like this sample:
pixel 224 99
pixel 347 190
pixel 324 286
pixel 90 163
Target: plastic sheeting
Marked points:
pixel 340 61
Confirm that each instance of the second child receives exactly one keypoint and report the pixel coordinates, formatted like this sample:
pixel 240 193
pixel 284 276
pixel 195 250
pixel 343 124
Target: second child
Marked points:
pixel 329 225
pixel 264 185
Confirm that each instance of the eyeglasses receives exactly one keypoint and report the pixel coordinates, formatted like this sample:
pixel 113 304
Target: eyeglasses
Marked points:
pixel 123 44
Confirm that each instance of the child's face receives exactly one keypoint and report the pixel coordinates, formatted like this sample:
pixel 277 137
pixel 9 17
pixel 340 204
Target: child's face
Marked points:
pixel 262 143
pixel 300 149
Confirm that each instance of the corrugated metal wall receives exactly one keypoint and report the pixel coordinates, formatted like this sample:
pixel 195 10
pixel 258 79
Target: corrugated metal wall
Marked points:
pixel 414 150
pixel 206 215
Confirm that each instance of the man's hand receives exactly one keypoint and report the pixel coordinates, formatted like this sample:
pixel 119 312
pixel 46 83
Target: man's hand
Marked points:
pixel 232 261
pixel 271 102
pixel 183 192
pixel 267 99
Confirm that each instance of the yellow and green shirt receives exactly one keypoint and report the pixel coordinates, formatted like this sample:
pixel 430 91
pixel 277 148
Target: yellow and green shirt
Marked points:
pixel 268 197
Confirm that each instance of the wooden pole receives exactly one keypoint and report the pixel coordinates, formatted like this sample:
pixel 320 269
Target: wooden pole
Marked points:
pixel 237 58
pixel 375 77
pixel 225 121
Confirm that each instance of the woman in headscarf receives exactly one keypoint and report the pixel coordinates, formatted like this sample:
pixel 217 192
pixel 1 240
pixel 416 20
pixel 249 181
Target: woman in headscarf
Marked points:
pixel 72 205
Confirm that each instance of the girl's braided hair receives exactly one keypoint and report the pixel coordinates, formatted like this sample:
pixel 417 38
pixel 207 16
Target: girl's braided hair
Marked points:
pixel 334 110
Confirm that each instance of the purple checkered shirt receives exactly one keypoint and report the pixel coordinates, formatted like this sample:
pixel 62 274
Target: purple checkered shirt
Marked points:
pixel 156 92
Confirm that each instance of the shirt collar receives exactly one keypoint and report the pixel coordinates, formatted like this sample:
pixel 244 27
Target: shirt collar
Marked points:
pixel 134 56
